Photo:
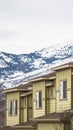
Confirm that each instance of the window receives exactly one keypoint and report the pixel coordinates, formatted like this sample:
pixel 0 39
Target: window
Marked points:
pixel 14 107
pixel 63 89
pixel 10 107
pixel 38 99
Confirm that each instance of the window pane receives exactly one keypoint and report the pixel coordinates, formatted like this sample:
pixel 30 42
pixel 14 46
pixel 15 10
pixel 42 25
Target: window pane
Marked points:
pixel 61 89
pixel 15 107
pixel 64 89
pixel 38 99
pixel 10 107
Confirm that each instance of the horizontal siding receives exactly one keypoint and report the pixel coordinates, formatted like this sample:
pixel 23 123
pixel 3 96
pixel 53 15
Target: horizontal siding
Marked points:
pixel 50 101
pixel 30 114
pixel 25 115
pixel 12 119
pixel 72 92
pixel 50 105
pixel 29 100
pixel 40 111
pixel 62 105
pixel 50 126
pixel 29 107
pixel 38 86
pixel 22 115
pixel 23 110
pixel 26 111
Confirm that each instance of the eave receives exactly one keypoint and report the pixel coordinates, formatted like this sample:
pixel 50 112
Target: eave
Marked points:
pixel 15 90
pixel 27 127
pixel 46 120
pixel 26 94
pixel 64 66
pixel 43 79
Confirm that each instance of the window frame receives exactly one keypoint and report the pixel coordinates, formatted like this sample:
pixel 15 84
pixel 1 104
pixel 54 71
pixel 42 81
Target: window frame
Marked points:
pixel 38 99
pixel 63 89
pixel 10 107
pixel 14 107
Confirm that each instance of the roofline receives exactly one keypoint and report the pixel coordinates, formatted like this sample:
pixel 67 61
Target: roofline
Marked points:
pixel 14 90
pixel 26 88
pixel 43 78
pixel 29 126
pixel 26 94
pixel 38 79
pixel 63 66
pixel 46 120
pixel 49 120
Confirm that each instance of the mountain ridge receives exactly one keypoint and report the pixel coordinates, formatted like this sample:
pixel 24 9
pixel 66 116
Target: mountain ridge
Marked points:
pixel 16 69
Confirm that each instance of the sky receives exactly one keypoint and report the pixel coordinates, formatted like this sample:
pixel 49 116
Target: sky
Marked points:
pixel 30 25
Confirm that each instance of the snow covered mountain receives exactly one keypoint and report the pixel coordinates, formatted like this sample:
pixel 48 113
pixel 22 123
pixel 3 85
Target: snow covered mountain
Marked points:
pixel 17 69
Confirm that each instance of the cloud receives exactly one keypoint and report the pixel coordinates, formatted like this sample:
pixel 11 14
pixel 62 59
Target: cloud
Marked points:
pixel 35 22
pixel 48 9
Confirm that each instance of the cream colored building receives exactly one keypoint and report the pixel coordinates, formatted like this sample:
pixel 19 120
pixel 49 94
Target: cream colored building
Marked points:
pixel 45 102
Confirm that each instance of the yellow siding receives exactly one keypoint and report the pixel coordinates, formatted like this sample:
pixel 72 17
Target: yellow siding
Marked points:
pixel 26 106
pixel 72 92
pixel 23 110
pixel 26 111
pixel 12 119
pixel 50 126
pixel 29 106
pixel 50 101
pixel 50 106
pixel 26 128
pixel 65 104
pixel 38 86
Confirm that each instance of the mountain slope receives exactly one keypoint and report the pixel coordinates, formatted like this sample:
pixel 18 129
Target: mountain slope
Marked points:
pixel 17 69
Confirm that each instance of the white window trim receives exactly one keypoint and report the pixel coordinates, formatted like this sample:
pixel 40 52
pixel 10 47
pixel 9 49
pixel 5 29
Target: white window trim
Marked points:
pixel 14 107
pixel 61 90
pixel 37 99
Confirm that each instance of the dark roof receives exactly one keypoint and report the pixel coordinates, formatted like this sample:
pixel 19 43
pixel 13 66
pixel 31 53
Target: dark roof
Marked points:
pixel 44 77
pixel 24 87
pixel 29 124
pixel 7 128
pixel 54 117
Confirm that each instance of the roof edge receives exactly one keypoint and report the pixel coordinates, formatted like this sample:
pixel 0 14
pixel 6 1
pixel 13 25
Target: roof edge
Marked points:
pixel 63 66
